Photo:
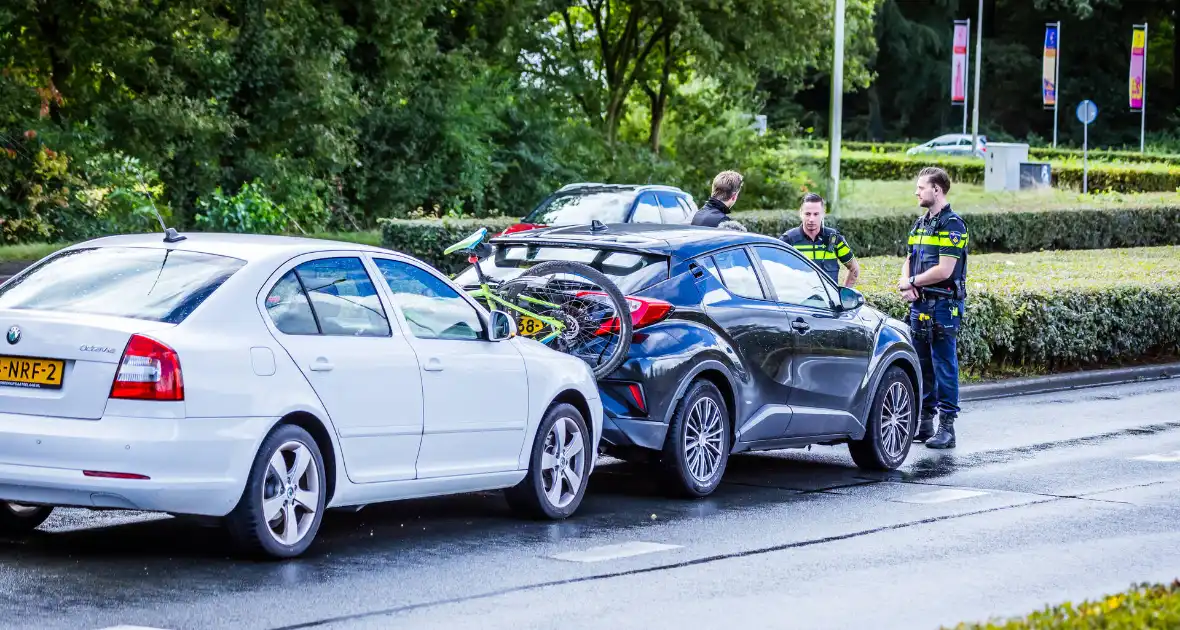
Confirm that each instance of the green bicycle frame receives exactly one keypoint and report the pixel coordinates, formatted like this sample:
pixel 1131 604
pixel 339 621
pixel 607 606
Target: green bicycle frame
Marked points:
pixel 490 296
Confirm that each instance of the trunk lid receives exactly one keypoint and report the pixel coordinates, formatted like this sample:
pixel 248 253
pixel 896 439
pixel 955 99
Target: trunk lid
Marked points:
pixel 62 364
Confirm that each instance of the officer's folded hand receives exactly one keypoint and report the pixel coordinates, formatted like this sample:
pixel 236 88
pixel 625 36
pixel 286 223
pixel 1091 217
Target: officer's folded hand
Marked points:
pixel 909 295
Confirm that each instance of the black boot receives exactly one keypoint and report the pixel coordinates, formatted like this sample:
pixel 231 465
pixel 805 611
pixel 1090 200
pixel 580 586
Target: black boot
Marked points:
pixel 946 433
pixel 925 428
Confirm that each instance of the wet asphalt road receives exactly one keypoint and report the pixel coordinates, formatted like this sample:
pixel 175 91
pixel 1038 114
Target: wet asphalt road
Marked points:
pixel 1047 498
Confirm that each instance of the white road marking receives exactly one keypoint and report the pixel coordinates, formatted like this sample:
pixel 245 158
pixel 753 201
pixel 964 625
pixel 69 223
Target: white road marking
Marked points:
pixel 1171 457
pixel 941 496
pixel 613 552
pixel 131 628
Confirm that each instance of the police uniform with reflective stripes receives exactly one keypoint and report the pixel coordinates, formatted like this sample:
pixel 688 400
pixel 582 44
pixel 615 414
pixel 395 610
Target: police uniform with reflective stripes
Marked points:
pixel 935 318
pixel 828 250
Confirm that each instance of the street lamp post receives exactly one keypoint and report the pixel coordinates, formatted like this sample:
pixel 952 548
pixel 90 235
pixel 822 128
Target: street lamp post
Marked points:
pixel 836 106
pixel 978 67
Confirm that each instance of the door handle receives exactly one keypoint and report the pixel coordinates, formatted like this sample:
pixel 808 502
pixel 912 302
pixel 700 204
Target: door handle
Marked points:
pixel 433 365
pixel 322 365
pixel 800 325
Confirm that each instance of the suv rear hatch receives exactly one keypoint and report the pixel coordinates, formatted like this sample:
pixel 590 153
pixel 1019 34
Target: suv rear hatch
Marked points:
pixel 68 320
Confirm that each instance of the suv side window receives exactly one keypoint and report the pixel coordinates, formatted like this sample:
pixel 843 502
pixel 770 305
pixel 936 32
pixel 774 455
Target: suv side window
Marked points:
pixel 672 211
pixel 738 275
pixel 330 296
pixel 432 308
pixel 647 210
pixel 794 281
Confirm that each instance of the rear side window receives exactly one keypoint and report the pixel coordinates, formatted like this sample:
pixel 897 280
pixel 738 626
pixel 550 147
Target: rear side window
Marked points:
pixel 330 296
pixel 631 271
pixel 738 275
pixel 149 283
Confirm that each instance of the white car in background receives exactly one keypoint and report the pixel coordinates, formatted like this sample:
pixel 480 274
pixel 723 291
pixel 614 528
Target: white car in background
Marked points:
pixel 264 379
pixel 951 144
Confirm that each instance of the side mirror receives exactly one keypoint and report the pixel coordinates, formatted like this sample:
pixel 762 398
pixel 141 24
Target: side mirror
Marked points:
pixel 500 326
pixel 851 299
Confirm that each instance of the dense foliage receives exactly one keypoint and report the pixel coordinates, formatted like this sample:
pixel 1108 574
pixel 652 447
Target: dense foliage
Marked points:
pixel 347 111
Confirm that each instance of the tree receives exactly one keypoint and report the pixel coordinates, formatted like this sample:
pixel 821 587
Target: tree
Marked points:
pixel 600 51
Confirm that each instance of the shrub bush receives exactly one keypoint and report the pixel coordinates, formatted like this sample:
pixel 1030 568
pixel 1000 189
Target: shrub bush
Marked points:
pixel 1125 178
pixel 1143 607
pixel 874 236
pixel 1054 311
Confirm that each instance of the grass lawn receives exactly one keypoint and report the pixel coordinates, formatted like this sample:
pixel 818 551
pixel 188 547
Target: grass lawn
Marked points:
pixel 1078 268
pixel 873 198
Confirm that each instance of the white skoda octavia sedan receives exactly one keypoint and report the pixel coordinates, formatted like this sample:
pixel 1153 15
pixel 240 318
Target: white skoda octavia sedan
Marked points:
pixel 265 379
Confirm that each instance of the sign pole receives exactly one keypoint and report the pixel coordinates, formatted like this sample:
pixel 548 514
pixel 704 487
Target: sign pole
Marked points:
pixel 1057 87
pixel 1087 112
pixel 836 106
pixel 1085 158
pixel 978 64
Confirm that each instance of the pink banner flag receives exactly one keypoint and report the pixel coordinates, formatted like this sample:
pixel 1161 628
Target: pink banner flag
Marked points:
pixel 959 64
pixel 1138 67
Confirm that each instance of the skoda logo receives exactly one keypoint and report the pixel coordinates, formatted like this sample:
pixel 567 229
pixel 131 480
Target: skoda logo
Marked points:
pixel 14 334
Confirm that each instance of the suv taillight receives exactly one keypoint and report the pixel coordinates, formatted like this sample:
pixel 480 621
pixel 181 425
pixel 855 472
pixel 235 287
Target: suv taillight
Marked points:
pixel 644 312
pixel 149 370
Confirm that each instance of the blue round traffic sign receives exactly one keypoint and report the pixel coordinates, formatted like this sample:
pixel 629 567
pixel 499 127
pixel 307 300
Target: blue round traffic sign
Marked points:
pixel 1087 111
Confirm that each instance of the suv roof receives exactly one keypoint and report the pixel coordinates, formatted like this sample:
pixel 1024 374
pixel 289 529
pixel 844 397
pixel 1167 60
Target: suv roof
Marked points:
pixel 635 187
pixel 684 240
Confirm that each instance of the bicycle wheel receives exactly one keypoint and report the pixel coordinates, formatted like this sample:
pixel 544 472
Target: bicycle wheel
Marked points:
pixel 596 317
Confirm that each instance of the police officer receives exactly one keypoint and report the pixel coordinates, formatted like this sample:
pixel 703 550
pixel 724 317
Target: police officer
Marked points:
pixel 933 279
pixel 823 245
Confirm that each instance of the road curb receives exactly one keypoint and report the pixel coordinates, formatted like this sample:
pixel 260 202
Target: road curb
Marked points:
pixel 1073 380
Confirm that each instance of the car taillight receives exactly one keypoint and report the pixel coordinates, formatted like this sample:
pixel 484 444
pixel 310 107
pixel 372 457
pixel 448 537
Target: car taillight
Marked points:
pixel 149 370
pixel 644 312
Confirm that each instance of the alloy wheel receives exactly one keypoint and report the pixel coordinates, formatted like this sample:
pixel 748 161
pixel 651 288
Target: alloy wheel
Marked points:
pixel 896 415
pixel 703 439
pixel 291 492
pixel 563 462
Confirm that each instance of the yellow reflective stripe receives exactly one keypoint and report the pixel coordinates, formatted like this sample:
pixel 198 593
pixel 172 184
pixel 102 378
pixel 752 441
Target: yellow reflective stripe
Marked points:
pixel 820 254
pixel 841 249
pixel 937 241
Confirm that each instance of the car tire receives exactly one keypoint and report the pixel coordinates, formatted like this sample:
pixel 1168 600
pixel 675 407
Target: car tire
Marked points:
pixel 889 432
pixel 256 534
pixel 17 519
pixel 548 490
pixel 693 471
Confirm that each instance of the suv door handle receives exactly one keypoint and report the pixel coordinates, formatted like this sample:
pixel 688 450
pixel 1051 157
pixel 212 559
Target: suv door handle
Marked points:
pixel 433 365
pixel 800 325
pixel 322 365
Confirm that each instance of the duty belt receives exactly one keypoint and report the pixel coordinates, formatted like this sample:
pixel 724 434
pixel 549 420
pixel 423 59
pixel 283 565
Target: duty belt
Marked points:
pixel 934 293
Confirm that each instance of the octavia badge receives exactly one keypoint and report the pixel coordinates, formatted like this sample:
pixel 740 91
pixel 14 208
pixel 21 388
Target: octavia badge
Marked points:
pixel 14 334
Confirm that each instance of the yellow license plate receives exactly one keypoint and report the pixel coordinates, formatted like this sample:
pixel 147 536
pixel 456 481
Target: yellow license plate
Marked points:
pixel 529 326
pixel 32 373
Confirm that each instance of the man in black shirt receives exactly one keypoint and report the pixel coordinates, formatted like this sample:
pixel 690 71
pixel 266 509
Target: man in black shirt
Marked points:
pixel 726 187
pixel 933 280
pixel 825 246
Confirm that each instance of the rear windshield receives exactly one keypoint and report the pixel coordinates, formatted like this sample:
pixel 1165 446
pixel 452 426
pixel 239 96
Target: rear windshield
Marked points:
pixel 631 271
pixel 583 207
pixel 137 282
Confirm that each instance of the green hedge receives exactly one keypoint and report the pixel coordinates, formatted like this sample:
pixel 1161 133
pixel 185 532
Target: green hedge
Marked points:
pixel 1049 328
pixel 869 236
pixel 1143 607
pixel 1035 153
pixel 1116 177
